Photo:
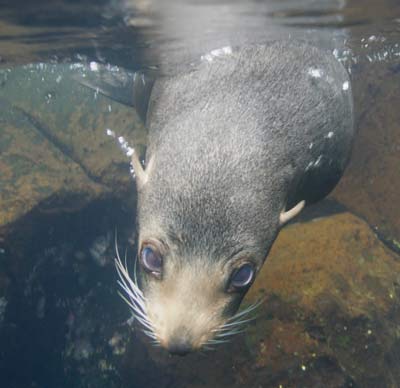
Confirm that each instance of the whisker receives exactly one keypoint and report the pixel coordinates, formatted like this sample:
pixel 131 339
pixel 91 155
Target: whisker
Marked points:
pixel 134 310
pixel 241 314
pixel 145 322
pixel 229 333
pixel 127 301
pixel 216 341
pixel 132 295
pixel 247 310
pixel 139 315
pixel 150 334
pixel 138 302
pixel 135 297
pixel 233 324
pixel 125 278
pixel 134 269
pixel 126 283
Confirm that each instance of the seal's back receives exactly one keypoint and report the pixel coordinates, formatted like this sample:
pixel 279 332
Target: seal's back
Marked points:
pixel 274 120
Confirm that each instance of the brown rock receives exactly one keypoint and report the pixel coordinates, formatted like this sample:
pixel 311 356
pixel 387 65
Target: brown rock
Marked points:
pixel 55 154
pixel 34 172
pixel 371 184
pixel 341 287
pixel 330 318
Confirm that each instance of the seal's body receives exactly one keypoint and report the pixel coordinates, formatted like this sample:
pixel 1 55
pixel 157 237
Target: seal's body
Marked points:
pixel 233 144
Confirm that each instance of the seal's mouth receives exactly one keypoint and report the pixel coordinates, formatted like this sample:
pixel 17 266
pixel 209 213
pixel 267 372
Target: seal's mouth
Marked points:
pixel 180 341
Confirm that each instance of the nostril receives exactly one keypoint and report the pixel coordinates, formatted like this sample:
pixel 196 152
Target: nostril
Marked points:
pixel 179 347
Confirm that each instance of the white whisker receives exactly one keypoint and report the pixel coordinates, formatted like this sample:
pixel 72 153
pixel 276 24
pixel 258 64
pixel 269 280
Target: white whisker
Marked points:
pixel 149 334
pixel 216 342
pixel 247 310
pixel 132 295
pixel 138 303
pixel 230 325
pixel 233 325
pixel 132 302
pixel 132 292
pixel 229 333
pixel 145 322
pixel 134 270
pixel 125 277
pixel 127 301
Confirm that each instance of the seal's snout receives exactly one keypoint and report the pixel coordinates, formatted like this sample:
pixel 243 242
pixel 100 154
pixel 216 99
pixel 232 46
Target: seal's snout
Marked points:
pixel 179 346
pixel 180 342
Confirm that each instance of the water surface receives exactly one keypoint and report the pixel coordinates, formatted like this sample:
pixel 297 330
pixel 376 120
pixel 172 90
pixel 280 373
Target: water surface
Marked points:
pixel 332 280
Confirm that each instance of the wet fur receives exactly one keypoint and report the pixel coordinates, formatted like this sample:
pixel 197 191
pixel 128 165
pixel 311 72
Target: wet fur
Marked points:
pixel 232 144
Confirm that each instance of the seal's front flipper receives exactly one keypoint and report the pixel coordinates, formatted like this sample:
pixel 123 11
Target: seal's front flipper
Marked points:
pixel 141 91
pixel 132 89
pixel 286 216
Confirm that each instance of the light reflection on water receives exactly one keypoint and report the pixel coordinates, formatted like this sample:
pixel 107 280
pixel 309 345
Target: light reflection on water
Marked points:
pixel 47 51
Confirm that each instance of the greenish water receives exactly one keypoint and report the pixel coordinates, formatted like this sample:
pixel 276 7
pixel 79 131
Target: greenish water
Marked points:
pixel 332 282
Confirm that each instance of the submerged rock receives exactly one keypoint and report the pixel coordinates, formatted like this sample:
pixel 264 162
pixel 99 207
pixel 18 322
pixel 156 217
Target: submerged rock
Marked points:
pixel 371 184
pixel 55 154
pixel 331 313
pixel 36 173
pixel 330 318
pixel 3 306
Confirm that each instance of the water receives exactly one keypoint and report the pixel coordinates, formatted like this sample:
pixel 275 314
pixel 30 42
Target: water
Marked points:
pixel 332 280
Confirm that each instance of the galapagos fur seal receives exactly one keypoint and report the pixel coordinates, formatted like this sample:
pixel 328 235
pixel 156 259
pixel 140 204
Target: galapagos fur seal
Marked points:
pixel 236 147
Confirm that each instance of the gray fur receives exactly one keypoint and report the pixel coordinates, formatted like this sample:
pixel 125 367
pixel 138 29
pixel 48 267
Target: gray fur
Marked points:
pixel 232 144
pixel 232 138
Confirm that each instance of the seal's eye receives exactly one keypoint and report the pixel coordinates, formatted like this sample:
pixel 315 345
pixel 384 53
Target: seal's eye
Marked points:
pixel 242 277
pixel 151 260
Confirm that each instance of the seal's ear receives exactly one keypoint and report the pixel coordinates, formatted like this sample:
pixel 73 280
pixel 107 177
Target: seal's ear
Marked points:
pixel 286 216
pixel 141 173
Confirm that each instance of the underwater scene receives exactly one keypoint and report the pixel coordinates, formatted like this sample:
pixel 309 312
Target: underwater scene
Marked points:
pixel 75 83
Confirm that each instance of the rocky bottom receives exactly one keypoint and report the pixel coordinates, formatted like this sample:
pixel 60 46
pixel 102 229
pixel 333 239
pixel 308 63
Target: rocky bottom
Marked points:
pixel 330 316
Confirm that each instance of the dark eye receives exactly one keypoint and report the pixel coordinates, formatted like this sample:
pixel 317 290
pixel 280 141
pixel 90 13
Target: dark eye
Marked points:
pixel 151 260
pixel 242 277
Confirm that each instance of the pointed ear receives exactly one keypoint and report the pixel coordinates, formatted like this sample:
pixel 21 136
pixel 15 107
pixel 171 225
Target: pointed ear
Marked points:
pixel 141 173
pixel 293 212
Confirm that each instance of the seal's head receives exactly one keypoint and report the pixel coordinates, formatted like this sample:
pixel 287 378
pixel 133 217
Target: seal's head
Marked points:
pixel 188 302
pixel 197 258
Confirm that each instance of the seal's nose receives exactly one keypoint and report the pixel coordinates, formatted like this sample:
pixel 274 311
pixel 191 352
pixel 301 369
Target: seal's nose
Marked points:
pixel 179 346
